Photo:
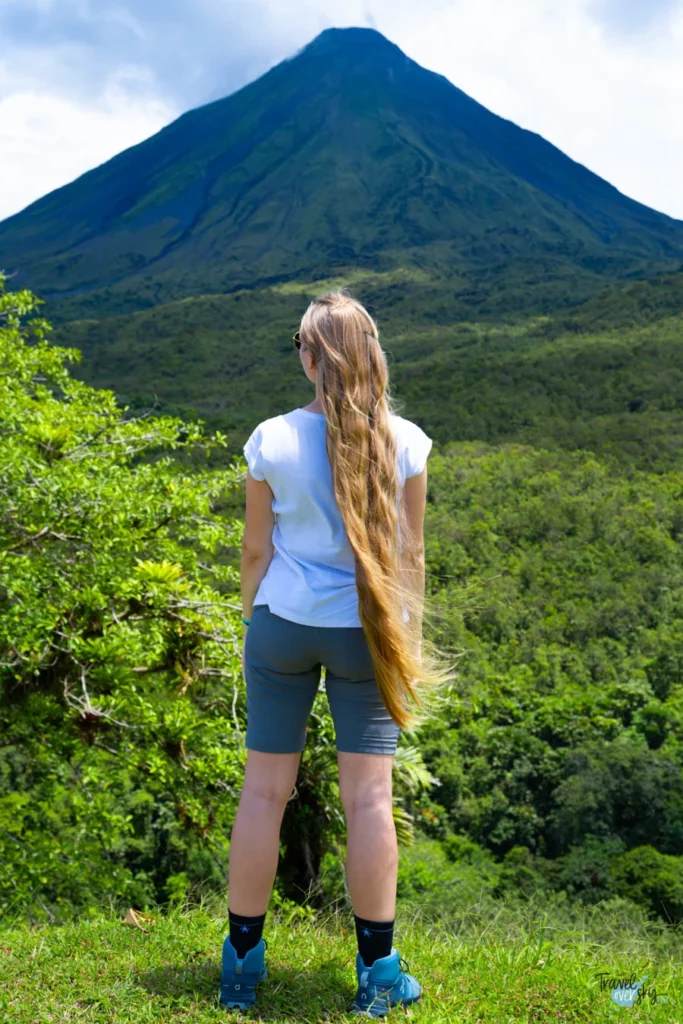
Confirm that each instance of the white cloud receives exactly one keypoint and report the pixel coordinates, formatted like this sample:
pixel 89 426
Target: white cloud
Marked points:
pixel 47 141
pixel 609 98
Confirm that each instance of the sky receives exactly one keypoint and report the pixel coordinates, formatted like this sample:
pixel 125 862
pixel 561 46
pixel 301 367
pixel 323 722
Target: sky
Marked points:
pixel 81 80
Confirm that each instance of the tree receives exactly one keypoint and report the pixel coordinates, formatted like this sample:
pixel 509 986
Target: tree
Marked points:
pixel 120 692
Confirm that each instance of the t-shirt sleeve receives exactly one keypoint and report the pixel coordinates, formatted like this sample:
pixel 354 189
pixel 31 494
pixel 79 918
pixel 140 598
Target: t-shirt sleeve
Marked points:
pixel 417 448
pixel 253 453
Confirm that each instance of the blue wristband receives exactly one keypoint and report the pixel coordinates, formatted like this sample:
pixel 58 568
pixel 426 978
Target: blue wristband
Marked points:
pixel 245 621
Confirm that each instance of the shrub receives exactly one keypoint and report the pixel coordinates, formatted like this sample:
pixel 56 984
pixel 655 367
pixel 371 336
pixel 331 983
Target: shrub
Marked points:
pixel 652 879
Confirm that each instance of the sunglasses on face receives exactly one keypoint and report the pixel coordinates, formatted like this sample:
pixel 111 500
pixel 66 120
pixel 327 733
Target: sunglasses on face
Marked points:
pixel 298 342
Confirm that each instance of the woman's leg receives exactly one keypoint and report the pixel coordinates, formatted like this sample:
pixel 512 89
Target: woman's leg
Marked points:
pixel 372 869
pixel 254 847
pixel 365 783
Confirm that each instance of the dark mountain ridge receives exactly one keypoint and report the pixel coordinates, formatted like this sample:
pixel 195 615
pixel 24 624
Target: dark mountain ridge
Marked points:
pixel 346 154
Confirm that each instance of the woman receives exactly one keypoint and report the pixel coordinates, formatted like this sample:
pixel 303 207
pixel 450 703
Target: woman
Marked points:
pixel 333 575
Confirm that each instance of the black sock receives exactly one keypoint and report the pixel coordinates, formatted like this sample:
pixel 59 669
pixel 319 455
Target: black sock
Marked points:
pixel 245 932
pixel 375 939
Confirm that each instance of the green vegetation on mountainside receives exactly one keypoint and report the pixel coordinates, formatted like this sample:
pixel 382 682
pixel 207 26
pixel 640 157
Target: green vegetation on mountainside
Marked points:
pixel 561 582
pixel 348 154
pixel 569 380
pixel 554 764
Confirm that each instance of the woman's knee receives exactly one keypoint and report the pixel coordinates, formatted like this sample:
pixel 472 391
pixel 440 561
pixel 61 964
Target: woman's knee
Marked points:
pixel 270 778
pixel 365 784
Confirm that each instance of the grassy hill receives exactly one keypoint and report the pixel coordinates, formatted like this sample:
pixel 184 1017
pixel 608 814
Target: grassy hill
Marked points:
pixel 346 155
pixel 485 966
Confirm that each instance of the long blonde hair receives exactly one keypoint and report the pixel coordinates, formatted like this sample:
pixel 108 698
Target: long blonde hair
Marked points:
pixel 353 385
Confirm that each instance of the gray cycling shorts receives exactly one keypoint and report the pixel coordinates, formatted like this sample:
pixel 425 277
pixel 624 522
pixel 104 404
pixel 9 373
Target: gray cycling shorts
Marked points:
pixel 283 660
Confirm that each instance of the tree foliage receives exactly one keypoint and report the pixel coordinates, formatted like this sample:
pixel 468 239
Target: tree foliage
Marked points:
pixel 558 578
pixel 121 697
pixel 561 579
pixel 119 691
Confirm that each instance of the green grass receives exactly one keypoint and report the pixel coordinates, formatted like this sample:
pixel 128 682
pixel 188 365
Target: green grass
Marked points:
pixel 515 964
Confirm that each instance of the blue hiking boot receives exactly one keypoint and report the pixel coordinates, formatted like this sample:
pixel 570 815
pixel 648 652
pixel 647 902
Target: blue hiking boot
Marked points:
pixel 240 977
pixel 384 985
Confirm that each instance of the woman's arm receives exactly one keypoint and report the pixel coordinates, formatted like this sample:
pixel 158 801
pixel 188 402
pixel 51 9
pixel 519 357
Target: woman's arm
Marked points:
pixel 414 500
pixel 257 542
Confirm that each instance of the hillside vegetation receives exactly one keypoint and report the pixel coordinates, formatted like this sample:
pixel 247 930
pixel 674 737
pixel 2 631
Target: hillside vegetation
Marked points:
pixel 606 376
pixel 554 765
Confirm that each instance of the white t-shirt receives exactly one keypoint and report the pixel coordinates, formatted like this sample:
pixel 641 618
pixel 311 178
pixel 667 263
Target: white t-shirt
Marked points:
pixel 311 578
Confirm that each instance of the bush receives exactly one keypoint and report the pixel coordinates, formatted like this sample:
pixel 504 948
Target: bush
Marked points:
pixel 652 879
pixel 621 789
pixel 431 877
pixel 520 874
pixel 120 686
pixel 584 872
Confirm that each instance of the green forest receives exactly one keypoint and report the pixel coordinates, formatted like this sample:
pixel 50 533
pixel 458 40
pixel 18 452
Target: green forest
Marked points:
pixel 605 376
pixel 554 545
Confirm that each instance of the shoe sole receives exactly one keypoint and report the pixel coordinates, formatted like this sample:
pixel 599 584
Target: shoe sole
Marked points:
pixel 381 1011
pixel 232 1004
